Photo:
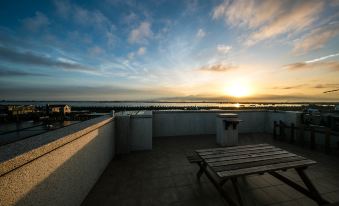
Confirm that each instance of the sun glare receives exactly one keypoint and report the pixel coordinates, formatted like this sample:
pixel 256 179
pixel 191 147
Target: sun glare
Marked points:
pixel 237 89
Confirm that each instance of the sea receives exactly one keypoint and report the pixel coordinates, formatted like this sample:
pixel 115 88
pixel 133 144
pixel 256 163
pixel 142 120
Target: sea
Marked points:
pixel 155 104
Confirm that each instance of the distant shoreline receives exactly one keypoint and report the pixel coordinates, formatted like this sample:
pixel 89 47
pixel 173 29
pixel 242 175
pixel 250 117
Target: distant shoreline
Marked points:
pixel 149 101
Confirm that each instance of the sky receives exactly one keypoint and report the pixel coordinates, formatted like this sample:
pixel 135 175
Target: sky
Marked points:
pixel 115 50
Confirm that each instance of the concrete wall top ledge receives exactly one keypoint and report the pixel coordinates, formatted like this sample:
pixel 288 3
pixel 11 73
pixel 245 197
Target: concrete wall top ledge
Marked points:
pixel 221 111
pixel 136 114
pixel 206 111
pixel 21 152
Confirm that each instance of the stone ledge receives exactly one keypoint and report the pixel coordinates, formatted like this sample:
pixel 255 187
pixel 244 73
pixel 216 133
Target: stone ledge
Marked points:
pixel 222 111
pixel 207 111
pixel 135 114
pixel 21 152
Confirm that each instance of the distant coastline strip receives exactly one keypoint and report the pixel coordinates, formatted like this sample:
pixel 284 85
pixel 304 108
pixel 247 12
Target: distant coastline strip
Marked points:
pixel 334 90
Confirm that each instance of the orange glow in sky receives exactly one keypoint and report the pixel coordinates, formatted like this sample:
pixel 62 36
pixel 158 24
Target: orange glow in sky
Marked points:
pixel 237 89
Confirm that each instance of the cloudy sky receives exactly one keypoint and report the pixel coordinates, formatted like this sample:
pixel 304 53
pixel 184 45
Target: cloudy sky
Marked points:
pixel 258 50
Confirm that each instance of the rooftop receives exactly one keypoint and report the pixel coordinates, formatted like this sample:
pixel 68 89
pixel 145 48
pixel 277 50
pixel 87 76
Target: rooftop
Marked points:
pixel 163 176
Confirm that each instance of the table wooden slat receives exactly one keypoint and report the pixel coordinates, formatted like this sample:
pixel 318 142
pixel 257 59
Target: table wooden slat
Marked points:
pixel 222 148
pixel 251 159
pixel 265 168
pixel 242 155
pixel 257 163
pixel 230 149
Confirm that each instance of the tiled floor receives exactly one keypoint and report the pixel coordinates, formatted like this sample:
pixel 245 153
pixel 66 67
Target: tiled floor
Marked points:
pixel 163 176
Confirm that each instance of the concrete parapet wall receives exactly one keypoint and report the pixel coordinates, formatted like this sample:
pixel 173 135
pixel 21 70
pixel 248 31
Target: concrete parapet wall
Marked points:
pixel 174 123
pixel 141 133
pixel 285 116
pixel 134 131
pixel 56 168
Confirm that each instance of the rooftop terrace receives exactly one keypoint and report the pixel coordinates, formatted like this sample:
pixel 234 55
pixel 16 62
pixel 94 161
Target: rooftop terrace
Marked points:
pixel 163 176
pixel 140 159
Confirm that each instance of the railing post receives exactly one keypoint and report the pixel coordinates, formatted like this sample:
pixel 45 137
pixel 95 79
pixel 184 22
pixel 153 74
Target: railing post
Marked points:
pixel 328 140
pixel 312 138
pixel 275 129
pixel 301 135
pixel 282 130
pixel 292 133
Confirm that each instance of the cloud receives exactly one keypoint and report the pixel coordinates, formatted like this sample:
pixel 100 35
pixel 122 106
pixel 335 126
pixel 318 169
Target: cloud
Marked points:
pixel 316 39
pixel 71 92
pixel 81 15
pixel 6 72
pixel 217 68
pixel 329 65
pixel 322 58
pixel 84 17
pixel 11 55
pixel 298 18
pixel 192 6
pixel 200 33
pixel 95 51
pixel 334 2
pixel 291 87
pixel 130 55
pixel 87 17
pixel 36 23
pixel 63 8
pixel 330 91
pixel 324 86
pixel 224 49
pixel 253 13
pixel 130 18
pixel 141 51
pixel 269 18
pixel 141 33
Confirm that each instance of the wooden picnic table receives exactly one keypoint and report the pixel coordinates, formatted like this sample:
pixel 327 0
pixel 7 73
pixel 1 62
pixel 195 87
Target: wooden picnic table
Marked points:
pixel 230 163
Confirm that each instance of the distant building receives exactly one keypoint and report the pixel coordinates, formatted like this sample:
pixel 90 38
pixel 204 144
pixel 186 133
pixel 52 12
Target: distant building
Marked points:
pixel 60 109
pixel 15 110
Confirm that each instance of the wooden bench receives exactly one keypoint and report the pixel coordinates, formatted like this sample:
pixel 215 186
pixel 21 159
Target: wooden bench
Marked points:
pixel 230 163
pixel 193 158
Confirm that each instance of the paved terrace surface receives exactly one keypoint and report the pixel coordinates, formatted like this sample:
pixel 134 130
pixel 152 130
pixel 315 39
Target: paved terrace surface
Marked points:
pixel 163 176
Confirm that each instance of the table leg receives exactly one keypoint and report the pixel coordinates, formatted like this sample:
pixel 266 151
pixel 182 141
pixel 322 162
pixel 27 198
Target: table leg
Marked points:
pixel 315 194
pixel 220 189
pixel 218 185
pixel 237 190
pixel 202 168
pixel 311 192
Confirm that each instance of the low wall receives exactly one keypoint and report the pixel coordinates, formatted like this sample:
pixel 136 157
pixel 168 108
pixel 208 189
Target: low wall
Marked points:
pixel 56 168
pixel 141 132
pixel 134 131
pixel 176 123
pixel 285 116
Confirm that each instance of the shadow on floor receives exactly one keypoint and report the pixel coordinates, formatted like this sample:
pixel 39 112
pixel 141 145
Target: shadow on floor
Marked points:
pixel 163 176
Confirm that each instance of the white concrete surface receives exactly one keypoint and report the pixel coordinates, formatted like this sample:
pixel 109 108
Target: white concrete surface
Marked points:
pixel 122 134
pixel 141 133
pixel 175 123
pixel 226 133
pixel 134 131
pixel 63 175
pixel 285 116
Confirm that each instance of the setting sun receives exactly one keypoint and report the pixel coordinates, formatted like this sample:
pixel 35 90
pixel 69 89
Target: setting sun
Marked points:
pixel 237 89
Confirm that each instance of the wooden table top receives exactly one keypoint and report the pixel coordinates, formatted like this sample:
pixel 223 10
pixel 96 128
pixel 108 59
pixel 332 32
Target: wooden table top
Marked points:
pixel 228 162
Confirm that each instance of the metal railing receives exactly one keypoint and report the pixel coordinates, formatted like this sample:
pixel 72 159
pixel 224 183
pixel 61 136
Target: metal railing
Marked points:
pixel 280 128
